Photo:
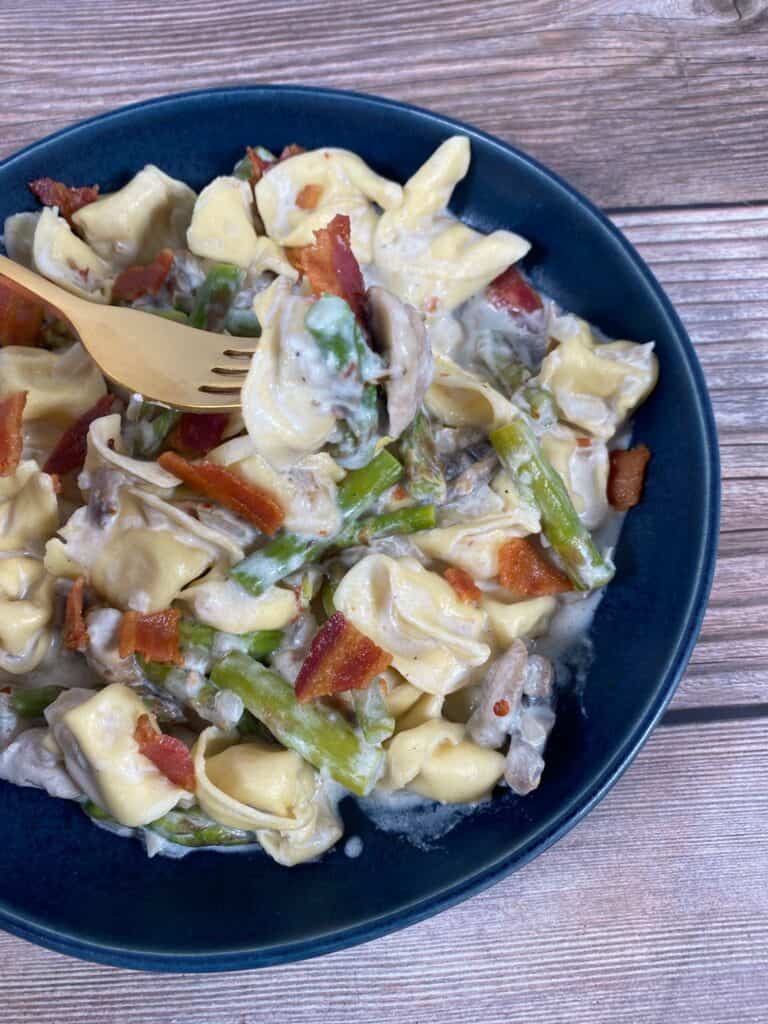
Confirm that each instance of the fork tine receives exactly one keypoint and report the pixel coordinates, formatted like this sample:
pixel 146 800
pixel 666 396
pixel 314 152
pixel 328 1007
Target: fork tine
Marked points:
pixel 230 371
pixel 239 353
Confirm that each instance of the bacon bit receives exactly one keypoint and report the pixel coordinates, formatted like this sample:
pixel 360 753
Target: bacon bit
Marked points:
pixel 524 569
pixel 69 453
pixel 168 754
pixel 75 633
pixel 134 282
pixel 309 197
pixel 626 477
pixel 330 265
pixel 510 291
pixel 11 441
pixel 197 432
pixel 584 442
pixel 501 708
pixel 259 166
pixel 21 317
pixel 340 658
pixel 229 489
pixel 154 636
pixel 69 200
pixel 463 584
pixel 293 149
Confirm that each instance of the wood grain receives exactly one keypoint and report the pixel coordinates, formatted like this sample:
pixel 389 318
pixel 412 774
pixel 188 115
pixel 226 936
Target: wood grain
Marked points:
pixel 651 911
pixel 636 103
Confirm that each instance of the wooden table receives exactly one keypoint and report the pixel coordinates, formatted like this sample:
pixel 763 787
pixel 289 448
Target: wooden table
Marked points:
pixel 655 909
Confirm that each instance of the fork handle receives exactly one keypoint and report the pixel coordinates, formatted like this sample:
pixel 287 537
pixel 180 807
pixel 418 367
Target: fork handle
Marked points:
pixel 51 294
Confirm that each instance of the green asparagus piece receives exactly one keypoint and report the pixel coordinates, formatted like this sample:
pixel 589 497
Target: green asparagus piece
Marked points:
pixel 192 827
pixel 94 811
pixel 289 552
pixel 508 374
pixel 146 433
pixel 359 431
pixel 214 297
pixel 258 644
pixel 522 456
pixel 373 718
pixel 318 733
pixel 32 703
pixel 402 520
pixel 243 323
pixel 244 168
pixel 424 478
pixel 541 402
pixel 326 599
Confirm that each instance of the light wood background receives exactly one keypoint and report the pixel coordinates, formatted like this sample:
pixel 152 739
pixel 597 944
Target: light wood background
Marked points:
pixel 655 908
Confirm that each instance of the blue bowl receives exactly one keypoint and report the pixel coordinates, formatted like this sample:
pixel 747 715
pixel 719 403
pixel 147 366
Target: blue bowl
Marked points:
pixel 73 888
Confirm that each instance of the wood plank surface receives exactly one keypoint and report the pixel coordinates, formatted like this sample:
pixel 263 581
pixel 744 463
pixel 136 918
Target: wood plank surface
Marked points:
pixel 649 912
pixel 654 910
pixel 655 102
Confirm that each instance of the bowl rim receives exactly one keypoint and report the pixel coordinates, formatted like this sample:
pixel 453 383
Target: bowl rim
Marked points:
pixel 148 958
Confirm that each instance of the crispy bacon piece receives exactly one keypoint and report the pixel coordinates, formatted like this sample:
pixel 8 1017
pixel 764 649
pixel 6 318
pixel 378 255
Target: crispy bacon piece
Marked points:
pixel 524 569
pixel 626 477
pixel 21 317
pixel 11 441
pixel 259 166
pixel 69 200
pixel 197 432
pixel 154 636
pixel 134 282
pixel 309 197
pixel 463 584
pixel 168 754
pixel 512 292
pixel 69 453
pixel 340 658
pixel 75 632
pixel 229 489
pixel 330 265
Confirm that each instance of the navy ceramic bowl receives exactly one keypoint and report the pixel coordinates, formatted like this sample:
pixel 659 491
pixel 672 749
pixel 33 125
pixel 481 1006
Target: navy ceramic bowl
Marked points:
pixel 74 888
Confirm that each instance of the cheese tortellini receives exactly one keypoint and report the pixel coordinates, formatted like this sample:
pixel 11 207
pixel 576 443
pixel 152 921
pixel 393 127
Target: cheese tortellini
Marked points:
pixel 60 386
pixel 26 611
pixel 28 509
pixel 65 259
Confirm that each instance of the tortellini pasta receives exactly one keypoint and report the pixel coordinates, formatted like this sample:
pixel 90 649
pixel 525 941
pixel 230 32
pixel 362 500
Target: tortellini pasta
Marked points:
pixel 458 398
pixel 434 638
pixel 18 237
pixel 104 450
pixel 95 732
pixel 60 386
pixel 26 610
pixel 584 469
pixel 347 186
pixel 131 225
pixel 223 604
pixel 436 760
pixel 283 415
pixel 28 509
pixel 596 386
pixel 222 228
pixel 65 259
pixel 425 255
pixel 509 621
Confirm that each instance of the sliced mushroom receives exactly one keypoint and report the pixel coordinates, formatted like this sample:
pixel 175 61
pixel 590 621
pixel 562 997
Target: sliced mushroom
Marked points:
pixel 500 695
pixel 399 334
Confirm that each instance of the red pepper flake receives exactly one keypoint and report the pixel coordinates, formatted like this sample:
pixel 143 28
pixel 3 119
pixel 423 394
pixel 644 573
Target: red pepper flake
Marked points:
pixel 584 442
pixel 510 291
pixel 340 658
pixel 168 754
pixel 309 197
pixel 463 584
pixel 70 450
pixel 331 267
pixel 524 569
pixel 626 477
pixel 501 708
pixel 134 282
pixel 229 489
pixel 69 200
pixel 432 304
pixel 154 636
pixel 21 317
pixel 75 632
pixel 197 433
pixel 11 440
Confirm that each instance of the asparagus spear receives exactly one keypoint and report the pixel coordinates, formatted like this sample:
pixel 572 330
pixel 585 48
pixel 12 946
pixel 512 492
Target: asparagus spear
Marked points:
pixel 372 716
pixel 541 402
pixel 32 703
pixel 319 734
pixel 214 297
pixel 521 454
pixel 243 323
pixel 258 644
pixel 192 827
pixel 244 168
pixel 148 427
pixel 508 374
pixel 402 520
pixel 289 552
pixel 424 478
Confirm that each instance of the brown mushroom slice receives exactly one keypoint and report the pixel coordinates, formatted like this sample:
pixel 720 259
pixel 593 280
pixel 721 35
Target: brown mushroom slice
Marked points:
pixel 399 334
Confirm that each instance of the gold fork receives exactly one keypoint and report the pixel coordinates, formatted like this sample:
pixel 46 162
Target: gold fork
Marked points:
pixel 166 361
